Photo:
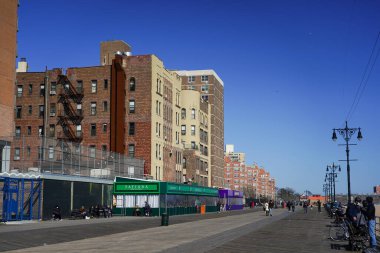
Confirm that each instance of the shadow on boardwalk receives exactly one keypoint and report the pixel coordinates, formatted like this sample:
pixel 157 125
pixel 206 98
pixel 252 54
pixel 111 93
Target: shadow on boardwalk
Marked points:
pixel 298 232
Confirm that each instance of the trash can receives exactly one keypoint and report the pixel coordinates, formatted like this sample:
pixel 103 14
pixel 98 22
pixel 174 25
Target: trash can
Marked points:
pixel 164 219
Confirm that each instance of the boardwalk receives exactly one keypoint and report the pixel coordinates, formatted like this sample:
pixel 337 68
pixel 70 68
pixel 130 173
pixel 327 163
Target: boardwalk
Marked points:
pixel 241 231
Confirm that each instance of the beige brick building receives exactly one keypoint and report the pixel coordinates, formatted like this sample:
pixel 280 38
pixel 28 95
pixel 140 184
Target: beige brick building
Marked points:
pixel 211 87
pixel 195 137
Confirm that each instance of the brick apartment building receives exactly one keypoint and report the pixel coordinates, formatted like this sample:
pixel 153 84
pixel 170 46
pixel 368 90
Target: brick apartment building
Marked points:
pixel 252 180
pixel 8 53
pixel 211 87
pixel 130 105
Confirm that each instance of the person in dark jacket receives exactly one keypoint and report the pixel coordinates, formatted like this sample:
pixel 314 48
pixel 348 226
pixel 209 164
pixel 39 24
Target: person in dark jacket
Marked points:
pixel 271 206
pixel 369 212
pixel 57 213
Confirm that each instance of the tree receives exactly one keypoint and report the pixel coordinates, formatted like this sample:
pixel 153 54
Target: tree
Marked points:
pixel 287 194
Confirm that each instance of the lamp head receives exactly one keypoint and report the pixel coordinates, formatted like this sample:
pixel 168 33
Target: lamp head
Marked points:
pixel 360 136
pixel 334 136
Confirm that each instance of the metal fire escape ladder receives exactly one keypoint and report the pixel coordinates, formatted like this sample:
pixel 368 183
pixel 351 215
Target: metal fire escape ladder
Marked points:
pixel 68 96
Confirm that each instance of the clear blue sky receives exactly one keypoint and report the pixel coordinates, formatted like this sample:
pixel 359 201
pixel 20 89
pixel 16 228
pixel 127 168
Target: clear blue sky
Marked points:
pixel 290 69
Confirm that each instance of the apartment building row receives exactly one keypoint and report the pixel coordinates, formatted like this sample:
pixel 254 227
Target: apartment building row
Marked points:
pixel 131 105
pixel 253 180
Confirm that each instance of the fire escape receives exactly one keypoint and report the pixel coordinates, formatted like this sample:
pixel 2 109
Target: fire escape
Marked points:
pixel 69 113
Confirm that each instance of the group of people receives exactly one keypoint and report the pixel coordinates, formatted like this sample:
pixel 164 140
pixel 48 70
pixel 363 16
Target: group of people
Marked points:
pixel 145 212
pixel 362 213
pixel 94 211
pixel 220 207
pixel 268 207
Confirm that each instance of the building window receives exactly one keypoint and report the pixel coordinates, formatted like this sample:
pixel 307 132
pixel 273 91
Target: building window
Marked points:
pixel 41 111
pixel 51 130
pixel 204 78
pixel 183 130
pixel 105 106
pixel 29 131
pixel 93 108
pixel 28 151
pixel 190 79
pixel 40 154
pixel 104 128
pixel 183 113
pixel 18 131
pixel 93 129
pixel 40 131
pixel 193 113
pixel 94 86
pixel 18 112
pixel 51 152
pixel 42 89
pixel 53 88
pixel 193 130
pixel 105 84
pixel 30 110
pixel 131 106
pixel 30 89
pixel 79 131
pixel 132 84
pixel 92 151
pixel 19 91
pixel 204 88
pixel 193 145
pixel 131 150
pixel 131 130
pixel 52 110
pixel 104 149
pixel 17 154
pixel 79 86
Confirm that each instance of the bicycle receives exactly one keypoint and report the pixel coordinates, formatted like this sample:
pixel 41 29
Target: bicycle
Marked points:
pixel 339 231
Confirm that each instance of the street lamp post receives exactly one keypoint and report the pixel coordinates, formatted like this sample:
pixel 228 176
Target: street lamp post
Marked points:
pixel 347 133
pixel 331 169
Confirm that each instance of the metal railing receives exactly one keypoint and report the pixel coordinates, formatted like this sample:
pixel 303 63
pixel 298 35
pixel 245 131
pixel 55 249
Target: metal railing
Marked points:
pixel 33 154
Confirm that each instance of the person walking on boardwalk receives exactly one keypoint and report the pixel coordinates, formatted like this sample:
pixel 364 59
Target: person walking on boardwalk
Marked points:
pixel 266 208
pixel 305 206
pixel 319 205
pixel 271 205
pixel 370 215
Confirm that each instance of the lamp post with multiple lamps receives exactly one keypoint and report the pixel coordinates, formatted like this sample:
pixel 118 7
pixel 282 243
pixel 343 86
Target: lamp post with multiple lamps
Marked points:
pixel 325 191
pixel 331 175
pixel 346 133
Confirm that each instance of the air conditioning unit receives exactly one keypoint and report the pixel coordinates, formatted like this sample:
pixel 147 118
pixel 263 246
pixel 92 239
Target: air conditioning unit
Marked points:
pixel 166 138
pixel 53 92
pixel 52 114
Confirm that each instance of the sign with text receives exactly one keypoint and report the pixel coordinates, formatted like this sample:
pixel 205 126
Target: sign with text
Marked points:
pixel 136 188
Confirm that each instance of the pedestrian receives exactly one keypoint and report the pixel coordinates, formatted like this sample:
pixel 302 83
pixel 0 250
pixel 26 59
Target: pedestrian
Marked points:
pixel 288 205
pixel 305 207
pixel 218 206
pixel 370 215
pixel 147 209
pixel 319 205
pixel 293 206
pixel 271 205
pixel 57 213
pixel 266 208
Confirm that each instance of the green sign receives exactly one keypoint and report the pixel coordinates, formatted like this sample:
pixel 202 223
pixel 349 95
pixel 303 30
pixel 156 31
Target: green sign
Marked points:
pixel 191 190
pixel 135 188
